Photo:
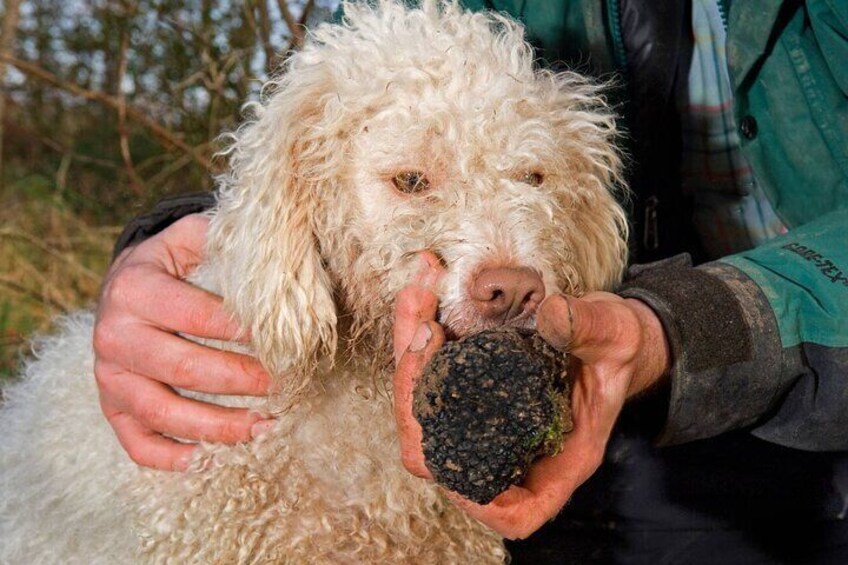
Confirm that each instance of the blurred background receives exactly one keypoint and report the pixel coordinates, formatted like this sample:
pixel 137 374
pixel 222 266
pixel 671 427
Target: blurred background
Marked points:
pixel 106 107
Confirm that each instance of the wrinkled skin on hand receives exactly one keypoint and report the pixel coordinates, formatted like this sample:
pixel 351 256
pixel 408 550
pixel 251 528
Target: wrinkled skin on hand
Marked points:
pixel 618 350
pixel 139 356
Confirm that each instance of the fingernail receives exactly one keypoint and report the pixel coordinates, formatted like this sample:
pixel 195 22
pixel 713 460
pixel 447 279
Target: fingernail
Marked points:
pixel 183 462
pixel 423 278
pixel 430 278
pixel 261 427
pixel 421 339
pixel 555 321
pixel 427 274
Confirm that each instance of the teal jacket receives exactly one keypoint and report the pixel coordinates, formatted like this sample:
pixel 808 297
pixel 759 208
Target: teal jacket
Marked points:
pixel 760 339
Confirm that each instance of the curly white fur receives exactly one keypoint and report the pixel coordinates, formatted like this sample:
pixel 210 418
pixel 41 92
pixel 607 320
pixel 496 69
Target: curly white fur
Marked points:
pixel 309 244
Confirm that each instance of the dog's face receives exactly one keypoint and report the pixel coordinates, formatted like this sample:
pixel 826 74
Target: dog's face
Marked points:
pixel 409 131
pixel 486 176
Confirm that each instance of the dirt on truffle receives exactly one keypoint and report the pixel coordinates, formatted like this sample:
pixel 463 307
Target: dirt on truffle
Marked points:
pixel 489 404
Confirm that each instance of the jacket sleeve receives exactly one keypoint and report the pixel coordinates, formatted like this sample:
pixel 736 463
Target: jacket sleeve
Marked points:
pixel 759 340
pixel 166 212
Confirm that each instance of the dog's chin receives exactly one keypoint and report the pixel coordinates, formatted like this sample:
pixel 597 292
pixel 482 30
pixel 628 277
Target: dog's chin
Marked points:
pixel 462 326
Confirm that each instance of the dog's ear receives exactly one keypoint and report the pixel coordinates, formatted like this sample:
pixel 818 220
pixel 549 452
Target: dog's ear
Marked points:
pixel 595 186
pixel 263 238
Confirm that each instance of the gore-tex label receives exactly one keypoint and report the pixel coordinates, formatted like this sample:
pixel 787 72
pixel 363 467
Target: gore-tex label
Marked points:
pixel 827 267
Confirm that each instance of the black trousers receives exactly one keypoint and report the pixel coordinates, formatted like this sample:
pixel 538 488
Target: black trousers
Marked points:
pixel 729 500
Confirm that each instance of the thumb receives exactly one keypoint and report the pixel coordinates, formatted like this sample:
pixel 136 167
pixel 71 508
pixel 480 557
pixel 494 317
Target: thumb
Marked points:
pixel 416 303
pixel 585 327
pixel 428 339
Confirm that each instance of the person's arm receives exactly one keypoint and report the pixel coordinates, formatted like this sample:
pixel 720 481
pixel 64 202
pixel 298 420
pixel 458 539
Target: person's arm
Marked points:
pixel 167 211
pixel 618 351
pixel 759 339
pixel 139 357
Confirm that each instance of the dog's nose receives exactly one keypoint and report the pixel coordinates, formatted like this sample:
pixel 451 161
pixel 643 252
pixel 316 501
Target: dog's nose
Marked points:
pixel 506 292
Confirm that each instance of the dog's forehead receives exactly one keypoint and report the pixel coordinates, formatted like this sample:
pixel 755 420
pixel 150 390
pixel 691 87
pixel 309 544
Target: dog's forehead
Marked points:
pixel 408 131
pixel 465 61
pixel 457 89
pixel 435 83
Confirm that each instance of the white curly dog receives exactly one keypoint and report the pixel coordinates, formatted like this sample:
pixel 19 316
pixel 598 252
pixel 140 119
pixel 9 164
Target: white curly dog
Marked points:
pixel 400 130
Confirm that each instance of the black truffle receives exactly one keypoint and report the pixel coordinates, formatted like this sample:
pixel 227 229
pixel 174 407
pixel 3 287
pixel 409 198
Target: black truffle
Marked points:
pixel 489 404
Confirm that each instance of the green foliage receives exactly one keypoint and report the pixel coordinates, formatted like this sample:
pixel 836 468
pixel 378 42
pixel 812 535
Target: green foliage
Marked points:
pixel 67 185
pixel 51 262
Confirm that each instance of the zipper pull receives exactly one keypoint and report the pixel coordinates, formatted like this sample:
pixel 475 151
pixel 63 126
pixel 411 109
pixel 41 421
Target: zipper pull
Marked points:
pixel 651 233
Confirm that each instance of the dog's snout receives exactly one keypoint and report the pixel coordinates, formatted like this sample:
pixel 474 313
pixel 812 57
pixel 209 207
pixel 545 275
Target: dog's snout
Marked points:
pixel 505 293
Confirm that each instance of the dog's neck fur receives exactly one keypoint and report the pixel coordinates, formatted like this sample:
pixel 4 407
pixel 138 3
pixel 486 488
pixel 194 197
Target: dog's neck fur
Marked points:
pixel 365 344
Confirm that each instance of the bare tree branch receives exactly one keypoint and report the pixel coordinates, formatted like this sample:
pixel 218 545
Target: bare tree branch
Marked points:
pixel 135 181
pixel 265 34
pixel 14 285
pixel 168 171
pixel 47 249
pixel 11 338
pixel 291 23
pixel 62 172
pixel 166 135
pixel 249 15
pixel 297 28
pixel 10 31
pixel 64 150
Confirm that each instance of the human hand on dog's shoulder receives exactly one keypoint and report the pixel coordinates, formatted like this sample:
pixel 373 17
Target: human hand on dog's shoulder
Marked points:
pixel 139 357
pixel 618 349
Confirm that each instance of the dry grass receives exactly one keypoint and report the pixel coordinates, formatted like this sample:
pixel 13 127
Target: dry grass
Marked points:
pixel 51 262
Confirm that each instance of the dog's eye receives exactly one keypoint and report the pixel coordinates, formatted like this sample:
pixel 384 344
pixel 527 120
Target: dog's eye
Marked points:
pixel 533 178
pixel 411 182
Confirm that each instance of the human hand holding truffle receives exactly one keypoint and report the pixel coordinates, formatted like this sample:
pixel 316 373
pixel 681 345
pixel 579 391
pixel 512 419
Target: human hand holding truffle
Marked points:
pixel 618 349
pixel 135 376
pixel 610 335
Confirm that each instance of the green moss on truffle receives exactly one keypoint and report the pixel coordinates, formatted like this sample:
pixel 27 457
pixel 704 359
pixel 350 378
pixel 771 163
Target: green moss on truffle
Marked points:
pixel 489 404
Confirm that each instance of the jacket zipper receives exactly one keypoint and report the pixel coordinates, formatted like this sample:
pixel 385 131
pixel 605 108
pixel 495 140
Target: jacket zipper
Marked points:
pixel 723 9
pixel 619 54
